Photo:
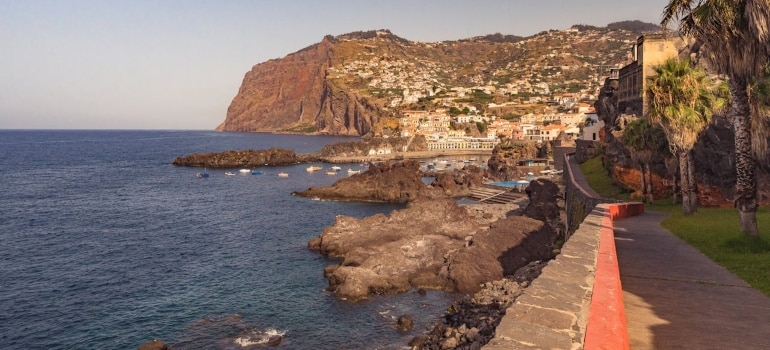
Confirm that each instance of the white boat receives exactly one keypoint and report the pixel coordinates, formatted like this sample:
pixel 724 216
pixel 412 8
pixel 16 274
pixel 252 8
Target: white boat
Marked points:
pixel 244 171
pixel 229 173
pixel 351 171
pixel 282 174
pixel 314 168
pixel 331 172
pixel 336 168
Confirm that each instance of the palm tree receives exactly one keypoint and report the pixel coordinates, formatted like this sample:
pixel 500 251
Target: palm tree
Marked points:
pixel 672 170
pixel 644 140
pixel 681 101
pixel 736 36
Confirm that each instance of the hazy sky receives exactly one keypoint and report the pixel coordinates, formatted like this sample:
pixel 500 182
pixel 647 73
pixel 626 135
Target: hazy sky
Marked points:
pixel 167 64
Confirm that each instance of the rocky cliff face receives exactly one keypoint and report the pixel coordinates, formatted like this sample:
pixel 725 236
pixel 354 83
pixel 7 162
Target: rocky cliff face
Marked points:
pixel 294 94
pixel 349 84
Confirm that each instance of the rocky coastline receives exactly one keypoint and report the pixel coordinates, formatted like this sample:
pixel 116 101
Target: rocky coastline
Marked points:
pixel 486 252
pixel 368 150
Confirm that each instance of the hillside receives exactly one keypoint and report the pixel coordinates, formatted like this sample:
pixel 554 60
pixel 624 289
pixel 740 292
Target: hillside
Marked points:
pixel 349 84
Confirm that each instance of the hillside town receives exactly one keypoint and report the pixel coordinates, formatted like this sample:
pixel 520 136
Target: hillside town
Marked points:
pixel 443 131
pixel 524 100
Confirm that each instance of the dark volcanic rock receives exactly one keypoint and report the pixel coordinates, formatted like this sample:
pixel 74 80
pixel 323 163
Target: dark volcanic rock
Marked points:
pixel 396 182
pixel 362 148
pixel 154 345
pixel 470 322
pixel 405 323
pixel 246 158
pixel 458 183
pixel 503 164
pixel 510 243
pixel 433 243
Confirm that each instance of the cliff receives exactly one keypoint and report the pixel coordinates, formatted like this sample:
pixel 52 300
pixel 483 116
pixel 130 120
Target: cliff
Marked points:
pixel 294 94
pixel 356 83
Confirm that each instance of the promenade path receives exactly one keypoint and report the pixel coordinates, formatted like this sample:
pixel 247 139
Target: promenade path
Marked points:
pixel 677 298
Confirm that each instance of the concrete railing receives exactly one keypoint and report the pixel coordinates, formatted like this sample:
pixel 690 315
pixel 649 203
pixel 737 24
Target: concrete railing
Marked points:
pixel 577 301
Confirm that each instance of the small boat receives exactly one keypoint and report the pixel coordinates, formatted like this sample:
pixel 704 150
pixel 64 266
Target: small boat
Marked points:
pixel 202 175
pixel 244 171
pixel 351 171
pixel 314 168
pixel 256 172
pixel 229 173
pixel 336 168
pixel 282 174
pixel 331 172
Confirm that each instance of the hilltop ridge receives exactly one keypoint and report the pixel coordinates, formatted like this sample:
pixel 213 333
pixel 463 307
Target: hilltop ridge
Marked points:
pixel 357 83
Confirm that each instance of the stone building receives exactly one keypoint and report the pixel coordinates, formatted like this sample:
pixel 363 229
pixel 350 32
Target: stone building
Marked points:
pixel 648 51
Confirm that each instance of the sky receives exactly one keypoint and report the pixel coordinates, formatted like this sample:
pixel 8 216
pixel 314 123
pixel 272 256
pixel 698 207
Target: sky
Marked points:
pixel 176 65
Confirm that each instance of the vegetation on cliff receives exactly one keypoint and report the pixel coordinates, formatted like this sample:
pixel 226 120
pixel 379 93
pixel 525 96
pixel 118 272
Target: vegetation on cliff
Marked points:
pixel 348 84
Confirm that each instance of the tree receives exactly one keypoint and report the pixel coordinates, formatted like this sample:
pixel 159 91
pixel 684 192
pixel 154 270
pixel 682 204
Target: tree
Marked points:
pixel 736 36
pixel 680 99
pixel 644 139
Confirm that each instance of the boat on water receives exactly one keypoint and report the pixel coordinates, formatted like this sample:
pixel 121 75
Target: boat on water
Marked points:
pixel 336 168
pixel 202 175
pixel 314 168
pixel 351 171
pixel 282 174
pixel 244 171
pixel 331 172
pixel 229 173
pixel 256 172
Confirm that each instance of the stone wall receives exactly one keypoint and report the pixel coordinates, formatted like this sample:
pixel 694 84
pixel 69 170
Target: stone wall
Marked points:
pixel 559 153
pixel 585 150
pixel 576 302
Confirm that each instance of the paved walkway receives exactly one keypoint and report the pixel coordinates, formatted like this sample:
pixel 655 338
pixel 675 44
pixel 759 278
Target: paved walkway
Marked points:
pixel 677 298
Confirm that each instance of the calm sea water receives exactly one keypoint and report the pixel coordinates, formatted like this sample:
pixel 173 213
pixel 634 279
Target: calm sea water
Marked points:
pixel 105 244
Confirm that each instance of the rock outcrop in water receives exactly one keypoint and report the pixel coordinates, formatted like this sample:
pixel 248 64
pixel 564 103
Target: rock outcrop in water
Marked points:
pixel 397 182
pixel 245 158
pixel 154 345
pixel 503 164
pixel 432 244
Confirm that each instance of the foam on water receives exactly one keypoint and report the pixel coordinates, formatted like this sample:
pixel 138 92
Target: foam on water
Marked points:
pixel 107 245
pixel 260 337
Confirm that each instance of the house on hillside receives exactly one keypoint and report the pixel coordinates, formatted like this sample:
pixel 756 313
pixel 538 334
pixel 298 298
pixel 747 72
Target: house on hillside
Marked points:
pixel 592 129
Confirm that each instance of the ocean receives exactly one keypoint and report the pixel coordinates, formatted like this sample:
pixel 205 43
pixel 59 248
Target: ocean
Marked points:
pixel 105 244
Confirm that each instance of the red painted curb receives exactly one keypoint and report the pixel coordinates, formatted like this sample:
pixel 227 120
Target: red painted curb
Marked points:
pixel 606 327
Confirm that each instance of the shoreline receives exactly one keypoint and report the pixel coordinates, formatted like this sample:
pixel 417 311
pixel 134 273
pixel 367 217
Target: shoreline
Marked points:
pixel 404 155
